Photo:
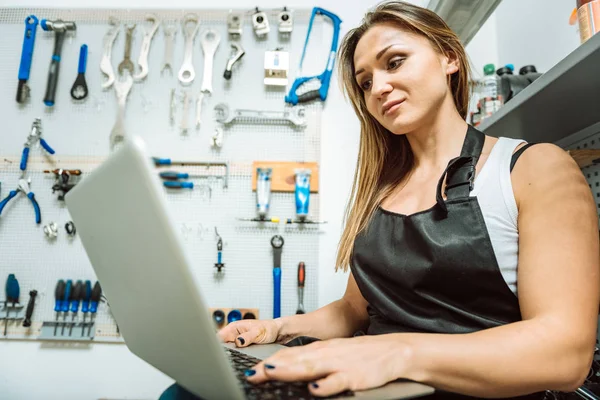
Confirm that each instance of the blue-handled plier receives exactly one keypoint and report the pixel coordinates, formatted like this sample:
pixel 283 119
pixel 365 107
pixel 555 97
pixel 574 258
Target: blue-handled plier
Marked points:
pixel 23 187
pixel 34 136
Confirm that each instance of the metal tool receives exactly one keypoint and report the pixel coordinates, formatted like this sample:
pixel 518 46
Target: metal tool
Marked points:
pixel 65 180
pixel 35 135
pixel 60 28
pixel 79 91
pixel 168 162
pixel 51 230
pixel 23 187
pixel 127 64
pixel 294 115
pixel 277 244
pixel 237 52
pixel 199 100
pixel 210 40
pixel 12 295
pixel 94 300
pixel 190 27
pixel 107 43
pixel 325 77
pixel 216 140
pixel 70 228
pixel 234 24
pixel 260 23
pixel 122 89
pixel 172 106
pixel 59 294
pixel 145 50
pixel 274 220
pixel 64 307
pixel 219 264
pixel 186 112
pixel 76 297
pixel 277 65
pixel 30 307
pixel 169 31
pixel 31 23
pixel 301 280
pixel 286 22
pixel 85 302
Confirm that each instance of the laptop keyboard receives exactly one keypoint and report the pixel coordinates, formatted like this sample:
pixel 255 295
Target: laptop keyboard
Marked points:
pixel 272 389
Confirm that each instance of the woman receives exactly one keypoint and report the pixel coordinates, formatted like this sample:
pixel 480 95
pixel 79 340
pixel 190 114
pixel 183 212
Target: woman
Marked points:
pixel 433 252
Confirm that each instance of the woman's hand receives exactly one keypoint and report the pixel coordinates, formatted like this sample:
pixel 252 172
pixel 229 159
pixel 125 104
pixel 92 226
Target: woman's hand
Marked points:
pixel 336 365
pixel 251 331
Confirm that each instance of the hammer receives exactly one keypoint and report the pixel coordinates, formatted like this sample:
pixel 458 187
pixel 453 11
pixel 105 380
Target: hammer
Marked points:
pixel 60 27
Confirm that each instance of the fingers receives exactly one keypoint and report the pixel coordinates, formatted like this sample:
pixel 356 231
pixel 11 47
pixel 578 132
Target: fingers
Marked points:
pixel 252 336
pixel 290 365
pixel 244 333
pixel 332 384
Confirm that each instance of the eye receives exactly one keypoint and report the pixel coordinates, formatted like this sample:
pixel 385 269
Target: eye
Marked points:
pixel 365 85
pixel 395 63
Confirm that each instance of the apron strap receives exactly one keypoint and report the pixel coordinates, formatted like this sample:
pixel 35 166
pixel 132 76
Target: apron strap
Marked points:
pixel 460 171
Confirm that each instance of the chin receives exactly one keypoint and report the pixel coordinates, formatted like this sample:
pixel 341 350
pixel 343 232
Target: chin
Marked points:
pixel 401 125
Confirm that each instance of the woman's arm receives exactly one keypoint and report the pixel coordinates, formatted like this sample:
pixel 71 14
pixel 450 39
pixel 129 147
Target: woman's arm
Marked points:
pixel 341 318
pixel 558 288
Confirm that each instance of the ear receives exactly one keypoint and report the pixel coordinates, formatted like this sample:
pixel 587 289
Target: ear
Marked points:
pixel 452 64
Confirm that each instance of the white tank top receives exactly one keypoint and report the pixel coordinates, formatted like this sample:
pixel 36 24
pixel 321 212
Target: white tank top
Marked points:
pixel 496 198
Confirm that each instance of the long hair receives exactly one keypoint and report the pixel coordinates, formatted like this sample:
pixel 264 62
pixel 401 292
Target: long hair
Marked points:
pixel 384 158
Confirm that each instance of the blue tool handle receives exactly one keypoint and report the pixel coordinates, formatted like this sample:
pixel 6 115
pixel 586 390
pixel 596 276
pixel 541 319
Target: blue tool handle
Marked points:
pixel 179 185
pixel 219 257
pixel 174 175
pixel 161 161
pixel 276 292
pixel 46 146
pixel 93 307
pixel 24 157
pixel 31 24
pixel 36 207
pixel 65 303
pixel 87 294
pixel 57 305
pixel 12 194
pixel 74 306
pixel 82 59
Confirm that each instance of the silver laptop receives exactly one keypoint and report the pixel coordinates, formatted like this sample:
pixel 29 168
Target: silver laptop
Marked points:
pixel 134 247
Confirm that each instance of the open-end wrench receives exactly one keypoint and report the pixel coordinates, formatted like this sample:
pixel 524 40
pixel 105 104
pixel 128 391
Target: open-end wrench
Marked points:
pixel 185 115
pixel 190 26
pixel 149 34
pixel 169 31
pixel 210 40
pixel 122 88
pixel 294 115
pixel 105 63
pixel 127 64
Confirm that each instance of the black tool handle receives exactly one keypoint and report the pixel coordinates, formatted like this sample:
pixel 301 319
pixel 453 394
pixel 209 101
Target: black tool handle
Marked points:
pixel 308 96
pixel 54 69
pixel 29 311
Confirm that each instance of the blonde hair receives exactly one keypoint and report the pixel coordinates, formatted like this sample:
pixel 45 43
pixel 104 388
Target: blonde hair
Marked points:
pixel 384 158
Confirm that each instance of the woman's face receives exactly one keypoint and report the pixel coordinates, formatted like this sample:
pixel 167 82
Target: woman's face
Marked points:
pixel 403 79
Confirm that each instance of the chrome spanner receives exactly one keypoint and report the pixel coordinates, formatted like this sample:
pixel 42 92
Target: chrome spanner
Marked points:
pixel 105 63
pixel 149 34
pixel 210 40
pixel 169 31
pixel 190 26
pixel 127 64
pixel 122 87
pixel 294 115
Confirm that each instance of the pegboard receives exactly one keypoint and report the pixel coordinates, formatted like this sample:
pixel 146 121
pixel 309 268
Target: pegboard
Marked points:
pixel 79 133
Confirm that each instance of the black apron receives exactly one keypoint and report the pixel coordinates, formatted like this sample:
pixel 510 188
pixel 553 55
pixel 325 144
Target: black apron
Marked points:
pixel 435 271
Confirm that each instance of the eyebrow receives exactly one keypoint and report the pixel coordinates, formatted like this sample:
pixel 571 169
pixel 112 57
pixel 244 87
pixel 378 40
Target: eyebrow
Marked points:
pixel 377 57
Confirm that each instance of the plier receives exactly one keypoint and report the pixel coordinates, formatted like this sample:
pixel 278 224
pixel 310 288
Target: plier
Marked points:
pixel 24 187
pixel 34 136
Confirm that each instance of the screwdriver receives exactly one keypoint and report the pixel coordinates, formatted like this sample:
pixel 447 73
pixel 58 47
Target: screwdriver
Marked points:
pixel 94 299
pixel 65 304
pixel 178 185
pixel 301 280
pixel 12 295
pixel 76 297
pixel 29 311
pixel 85 303
pixel 59 294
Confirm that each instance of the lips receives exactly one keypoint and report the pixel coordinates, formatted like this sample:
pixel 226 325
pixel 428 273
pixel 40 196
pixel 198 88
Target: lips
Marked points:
pixel 389 105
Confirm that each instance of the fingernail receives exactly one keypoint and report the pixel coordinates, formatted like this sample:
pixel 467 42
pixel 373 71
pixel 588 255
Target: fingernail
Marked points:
pixel 315 385
pixel 269 366
pixel 241 340
pixel 249 372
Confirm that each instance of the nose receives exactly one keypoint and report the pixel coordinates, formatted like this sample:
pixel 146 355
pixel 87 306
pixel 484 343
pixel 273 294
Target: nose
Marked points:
pixel 381 85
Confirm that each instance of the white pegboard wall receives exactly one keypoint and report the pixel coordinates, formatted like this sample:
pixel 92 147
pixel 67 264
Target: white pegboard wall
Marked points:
pixel 591 173
pixel 79 134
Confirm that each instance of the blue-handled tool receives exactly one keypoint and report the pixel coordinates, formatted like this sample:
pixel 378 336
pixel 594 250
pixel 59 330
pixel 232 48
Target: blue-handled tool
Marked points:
pixel 59 294
pixel 325 77
pixel 31 23
pixel 23 187
pixel 94 300
pixel 79 91
pixel 178 185
pixel 60 28
pixel 76 297
pixel 34 136
pixel 277 244
pixel 64 306
pixel 85 302
pixel 12 295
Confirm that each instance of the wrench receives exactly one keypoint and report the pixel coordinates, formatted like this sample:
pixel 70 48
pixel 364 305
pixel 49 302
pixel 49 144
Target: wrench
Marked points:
pixel 295 115
pixel 185 116
pixel 105 64
pixel 122 88
pixel 126 64
pixel 210 42
pixel 190 27
pixel 149 34
pixel 169 31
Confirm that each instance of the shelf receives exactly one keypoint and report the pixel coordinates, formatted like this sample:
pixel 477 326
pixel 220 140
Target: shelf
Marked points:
pixel 561 102
pixel 585 158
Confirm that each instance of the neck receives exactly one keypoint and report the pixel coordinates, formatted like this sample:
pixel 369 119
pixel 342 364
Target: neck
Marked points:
pixel 440 140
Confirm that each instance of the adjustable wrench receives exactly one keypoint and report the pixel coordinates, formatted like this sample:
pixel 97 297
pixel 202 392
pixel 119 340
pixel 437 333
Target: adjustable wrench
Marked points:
pixel 149 34
pixel 105 64
pixel 169 31
pixel 295 115
pixel 122 88
pixel 126 64
pixel 190 27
